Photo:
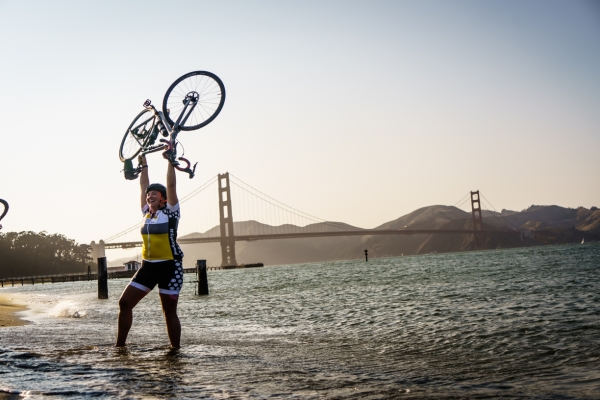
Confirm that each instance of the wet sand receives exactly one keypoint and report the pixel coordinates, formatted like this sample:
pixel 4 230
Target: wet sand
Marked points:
pixel 8 308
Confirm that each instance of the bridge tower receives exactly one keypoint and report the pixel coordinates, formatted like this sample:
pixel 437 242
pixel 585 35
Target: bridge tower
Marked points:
pixel 97 250
pixel 477 219
pixel 226 222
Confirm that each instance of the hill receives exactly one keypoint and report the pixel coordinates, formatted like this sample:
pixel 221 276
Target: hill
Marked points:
pixel 550 224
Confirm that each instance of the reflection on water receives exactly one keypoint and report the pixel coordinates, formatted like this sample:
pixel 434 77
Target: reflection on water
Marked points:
pixel 512 324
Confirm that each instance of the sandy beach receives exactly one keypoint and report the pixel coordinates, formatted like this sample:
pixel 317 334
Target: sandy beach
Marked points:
pixel 7 312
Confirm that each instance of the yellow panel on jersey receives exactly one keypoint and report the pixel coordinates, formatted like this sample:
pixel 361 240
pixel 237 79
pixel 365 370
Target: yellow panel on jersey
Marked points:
pixel 156 247
pixel 159 234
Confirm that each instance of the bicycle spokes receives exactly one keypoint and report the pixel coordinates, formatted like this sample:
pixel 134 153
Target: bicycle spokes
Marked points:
pixel 200 93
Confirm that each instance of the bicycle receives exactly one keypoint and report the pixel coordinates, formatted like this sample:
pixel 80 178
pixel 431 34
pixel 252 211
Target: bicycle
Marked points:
pixel 5 204
pixel 193 101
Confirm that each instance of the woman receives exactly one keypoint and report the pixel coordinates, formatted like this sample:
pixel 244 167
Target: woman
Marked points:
pixel 161 256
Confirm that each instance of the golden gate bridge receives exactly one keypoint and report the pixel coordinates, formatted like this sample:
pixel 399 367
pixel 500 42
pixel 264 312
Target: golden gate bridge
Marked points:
pixel 261 217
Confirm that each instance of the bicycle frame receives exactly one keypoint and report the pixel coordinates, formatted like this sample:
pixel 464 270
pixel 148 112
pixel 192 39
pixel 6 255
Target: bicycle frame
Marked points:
pixel 170 146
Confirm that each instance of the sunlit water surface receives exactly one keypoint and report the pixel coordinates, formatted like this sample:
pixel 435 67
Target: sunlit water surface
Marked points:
pixel 521 323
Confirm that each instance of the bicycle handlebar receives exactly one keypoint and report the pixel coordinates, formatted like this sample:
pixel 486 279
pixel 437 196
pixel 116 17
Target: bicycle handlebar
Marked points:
pixel 170 155
pixel 187 169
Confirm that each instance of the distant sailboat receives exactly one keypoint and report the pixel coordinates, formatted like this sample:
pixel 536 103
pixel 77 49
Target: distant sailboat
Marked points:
pixel 583 241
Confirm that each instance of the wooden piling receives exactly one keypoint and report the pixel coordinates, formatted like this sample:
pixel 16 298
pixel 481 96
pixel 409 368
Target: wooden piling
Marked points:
pixel 202 277
pixel 102 278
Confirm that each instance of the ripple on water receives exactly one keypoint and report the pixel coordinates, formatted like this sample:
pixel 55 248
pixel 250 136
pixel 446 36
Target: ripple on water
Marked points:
pixel 512 324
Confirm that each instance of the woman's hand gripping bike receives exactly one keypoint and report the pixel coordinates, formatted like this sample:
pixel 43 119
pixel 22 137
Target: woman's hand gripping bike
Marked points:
pixel 4 210
pixel 190 103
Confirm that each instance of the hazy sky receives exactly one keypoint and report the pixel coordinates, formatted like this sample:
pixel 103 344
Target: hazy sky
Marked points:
pixel 354 111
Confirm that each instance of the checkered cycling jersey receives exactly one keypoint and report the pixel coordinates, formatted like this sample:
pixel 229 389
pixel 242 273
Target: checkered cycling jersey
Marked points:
pixel 159 234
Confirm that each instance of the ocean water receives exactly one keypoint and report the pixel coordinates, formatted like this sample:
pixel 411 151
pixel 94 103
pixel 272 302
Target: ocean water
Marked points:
pixel 511 324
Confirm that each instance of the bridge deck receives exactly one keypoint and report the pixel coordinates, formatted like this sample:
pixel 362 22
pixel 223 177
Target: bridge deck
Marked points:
pixel 362 232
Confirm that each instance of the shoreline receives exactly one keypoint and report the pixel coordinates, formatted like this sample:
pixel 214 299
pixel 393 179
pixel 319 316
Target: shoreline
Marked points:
pixel 8 308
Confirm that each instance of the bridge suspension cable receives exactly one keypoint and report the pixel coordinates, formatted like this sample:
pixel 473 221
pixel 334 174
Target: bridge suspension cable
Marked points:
pixel 253 204
pixel 254 214
pixel 502 220
pixel 458 204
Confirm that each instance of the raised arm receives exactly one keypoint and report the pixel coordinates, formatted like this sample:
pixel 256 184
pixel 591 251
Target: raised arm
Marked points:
pixel 144 180
pixel 171 185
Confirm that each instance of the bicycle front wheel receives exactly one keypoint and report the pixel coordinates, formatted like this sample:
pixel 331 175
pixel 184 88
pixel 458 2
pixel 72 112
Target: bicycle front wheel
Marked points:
pixel 204 94
pixel 137 135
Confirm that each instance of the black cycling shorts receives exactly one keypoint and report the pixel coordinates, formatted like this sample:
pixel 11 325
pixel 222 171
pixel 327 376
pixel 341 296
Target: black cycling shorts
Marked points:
pixel 167 274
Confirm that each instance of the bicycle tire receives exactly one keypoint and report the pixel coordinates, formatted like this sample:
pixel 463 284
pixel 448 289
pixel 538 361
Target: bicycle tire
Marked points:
pixel 211 97
pixel 5 209
pixel 134 140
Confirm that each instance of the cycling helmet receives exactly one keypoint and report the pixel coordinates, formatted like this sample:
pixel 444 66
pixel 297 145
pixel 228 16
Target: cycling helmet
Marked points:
pixel 159 188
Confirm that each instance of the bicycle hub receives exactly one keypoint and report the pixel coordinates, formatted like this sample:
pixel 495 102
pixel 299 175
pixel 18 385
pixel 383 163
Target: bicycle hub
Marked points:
pixel 193 97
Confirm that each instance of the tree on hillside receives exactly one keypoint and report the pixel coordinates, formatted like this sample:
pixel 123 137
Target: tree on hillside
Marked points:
pixel 29 253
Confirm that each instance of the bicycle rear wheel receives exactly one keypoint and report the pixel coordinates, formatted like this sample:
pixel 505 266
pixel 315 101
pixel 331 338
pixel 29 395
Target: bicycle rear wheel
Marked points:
pixel 206 93
pixel 5 210
pixel 137 135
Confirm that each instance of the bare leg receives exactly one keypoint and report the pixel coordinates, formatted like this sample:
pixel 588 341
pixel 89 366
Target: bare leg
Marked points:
pixel 169 306
pixel 129 299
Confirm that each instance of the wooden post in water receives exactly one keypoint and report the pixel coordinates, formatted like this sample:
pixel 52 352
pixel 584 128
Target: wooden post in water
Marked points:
pixel 366 255
pixel 102 278
pixel 202 277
